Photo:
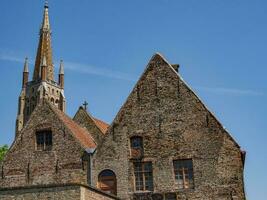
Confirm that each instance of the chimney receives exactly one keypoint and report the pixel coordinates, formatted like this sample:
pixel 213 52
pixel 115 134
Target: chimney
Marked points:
pixel 176 67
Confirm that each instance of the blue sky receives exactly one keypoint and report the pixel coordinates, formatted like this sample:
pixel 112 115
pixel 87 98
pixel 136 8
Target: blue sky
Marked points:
pixel 221 47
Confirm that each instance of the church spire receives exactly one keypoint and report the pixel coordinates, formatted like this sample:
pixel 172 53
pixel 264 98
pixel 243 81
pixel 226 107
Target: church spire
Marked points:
pixel 46 24
pixel 44 48
pixel 43 85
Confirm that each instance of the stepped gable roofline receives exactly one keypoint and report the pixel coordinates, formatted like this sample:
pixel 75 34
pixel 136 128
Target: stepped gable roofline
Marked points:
pixel 156 56
pixel 101 125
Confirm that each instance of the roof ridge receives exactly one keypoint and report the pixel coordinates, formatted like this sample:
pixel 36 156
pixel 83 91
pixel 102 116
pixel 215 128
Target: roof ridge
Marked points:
pixel 96 121
pixel 83 136
pixel 180 77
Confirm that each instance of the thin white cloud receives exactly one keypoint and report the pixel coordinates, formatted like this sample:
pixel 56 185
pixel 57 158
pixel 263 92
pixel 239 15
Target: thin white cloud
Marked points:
pixel 105 72
pixel 10 58
pixel 77 67
pixel 99 71
pixel 230 91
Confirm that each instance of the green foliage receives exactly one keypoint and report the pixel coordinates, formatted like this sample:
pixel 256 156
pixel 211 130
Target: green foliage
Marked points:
pixel 3 150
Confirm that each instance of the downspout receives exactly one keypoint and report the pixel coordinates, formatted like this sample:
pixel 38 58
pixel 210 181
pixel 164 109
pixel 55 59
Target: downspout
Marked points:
pixel 89 153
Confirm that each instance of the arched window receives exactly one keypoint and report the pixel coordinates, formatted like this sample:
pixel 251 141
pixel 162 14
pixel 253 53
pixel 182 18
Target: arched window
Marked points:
pixel 107 182
pixel 52 100
pixel 136 147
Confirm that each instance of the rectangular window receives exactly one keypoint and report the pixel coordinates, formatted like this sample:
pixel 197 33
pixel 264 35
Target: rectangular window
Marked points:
pixel 183 171
pixel 44 140
pixel 143 176
pixel 136 147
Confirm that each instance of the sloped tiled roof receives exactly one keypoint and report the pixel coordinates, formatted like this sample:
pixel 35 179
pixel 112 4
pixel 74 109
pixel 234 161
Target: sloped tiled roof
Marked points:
pixel 81 134
pixel 103 126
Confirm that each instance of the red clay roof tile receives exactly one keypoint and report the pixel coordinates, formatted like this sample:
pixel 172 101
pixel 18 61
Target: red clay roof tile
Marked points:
pixel 80 133
pixel 103 126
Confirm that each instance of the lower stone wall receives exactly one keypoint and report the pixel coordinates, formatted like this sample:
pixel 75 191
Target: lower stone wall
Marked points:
pixel 54 192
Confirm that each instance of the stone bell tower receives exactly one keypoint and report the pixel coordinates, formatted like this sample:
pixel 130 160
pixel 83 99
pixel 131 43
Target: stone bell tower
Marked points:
pixel 43 84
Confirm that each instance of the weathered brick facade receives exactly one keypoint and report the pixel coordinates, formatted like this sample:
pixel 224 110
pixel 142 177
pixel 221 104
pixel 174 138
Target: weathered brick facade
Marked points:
pixel 24 165
pixel 174 124
pixel 55 157
pixel 54 192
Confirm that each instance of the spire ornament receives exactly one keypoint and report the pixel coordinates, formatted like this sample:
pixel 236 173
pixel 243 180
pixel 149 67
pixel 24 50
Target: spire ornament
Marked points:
pixel 61 67
pixel 46 4
pixel 61 74
pixel 25 77
pixel 26 66
pixel 44 48
pixel 85 105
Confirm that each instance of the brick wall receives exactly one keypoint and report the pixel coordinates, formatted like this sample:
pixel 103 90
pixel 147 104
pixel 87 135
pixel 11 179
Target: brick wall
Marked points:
pixel 24 165
pixel 54 192
pixel 174 124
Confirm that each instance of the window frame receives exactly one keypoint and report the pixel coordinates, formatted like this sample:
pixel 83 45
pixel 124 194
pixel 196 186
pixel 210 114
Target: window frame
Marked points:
pixel 138 151
pixel 143 177
pixel 190 182
pixel 46 138
pixel 102 178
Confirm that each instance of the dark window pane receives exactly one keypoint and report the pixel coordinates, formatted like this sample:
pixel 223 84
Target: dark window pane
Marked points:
pixel 143 176
pixel 183 170
pixel 48 139
pixel 136 142
pixel 44 140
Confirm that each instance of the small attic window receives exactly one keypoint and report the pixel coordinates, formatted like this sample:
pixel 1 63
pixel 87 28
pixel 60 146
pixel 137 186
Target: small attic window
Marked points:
pixel 136 147
pixel 44 140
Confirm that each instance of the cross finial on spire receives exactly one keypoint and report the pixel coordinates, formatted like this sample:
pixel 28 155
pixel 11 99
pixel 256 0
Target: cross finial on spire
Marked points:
pixel 85 104
pixel 46 24
pixel 46 4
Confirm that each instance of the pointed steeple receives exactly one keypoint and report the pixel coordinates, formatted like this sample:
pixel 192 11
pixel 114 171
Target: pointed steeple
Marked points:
pixel 61 67
pixel 61 75
pixel 26 66
pixel 44 48
pixel 46 24
pixel 43 84
pixel 25 77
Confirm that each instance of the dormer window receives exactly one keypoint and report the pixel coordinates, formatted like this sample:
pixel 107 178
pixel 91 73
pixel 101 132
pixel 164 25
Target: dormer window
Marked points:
pixel 44 140
pixel 136 147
